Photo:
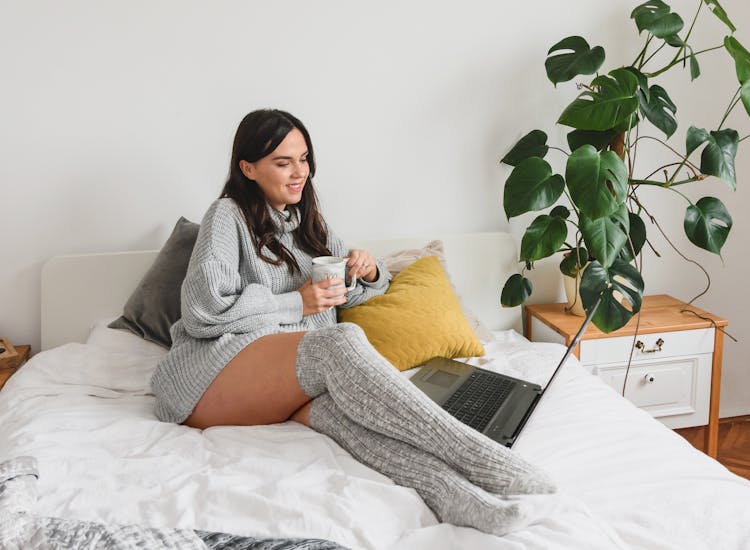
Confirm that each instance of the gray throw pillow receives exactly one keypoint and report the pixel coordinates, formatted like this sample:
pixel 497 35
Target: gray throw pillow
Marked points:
pixel 154 306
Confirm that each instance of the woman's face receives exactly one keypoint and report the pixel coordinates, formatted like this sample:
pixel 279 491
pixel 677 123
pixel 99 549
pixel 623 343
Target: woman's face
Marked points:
pixel 281 174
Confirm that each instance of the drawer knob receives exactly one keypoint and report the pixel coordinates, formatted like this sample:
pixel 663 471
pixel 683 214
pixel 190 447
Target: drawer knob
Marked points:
pixel 649 377
pixel 641 346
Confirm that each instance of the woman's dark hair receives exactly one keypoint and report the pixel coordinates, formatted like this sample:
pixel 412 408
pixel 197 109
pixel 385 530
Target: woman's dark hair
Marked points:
pixel 259 133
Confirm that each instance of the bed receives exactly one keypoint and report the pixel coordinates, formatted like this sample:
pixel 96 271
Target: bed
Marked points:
pixel 83 410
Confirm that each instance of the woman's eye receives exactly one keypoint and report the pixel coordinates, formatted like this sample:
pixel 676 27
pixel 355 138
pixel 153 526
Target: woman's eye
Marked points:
pixel 283 164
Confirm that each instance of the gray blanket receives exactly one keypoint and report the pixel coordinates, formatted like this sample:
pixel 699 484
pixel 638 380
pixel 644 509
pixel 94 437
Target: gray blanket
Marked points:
pixel 22 528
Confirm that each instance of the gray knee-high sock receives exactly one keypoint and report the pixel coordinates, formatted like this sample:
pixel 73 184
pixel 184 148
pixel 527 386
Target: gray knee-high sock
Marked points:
pixel 368 388
pixel 449 495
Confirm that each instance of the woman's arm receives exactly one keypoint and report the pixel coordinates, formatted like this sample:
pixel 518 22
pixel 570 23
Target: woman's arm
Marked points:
pixel 213 303
pixel 364 290
pixel 213 299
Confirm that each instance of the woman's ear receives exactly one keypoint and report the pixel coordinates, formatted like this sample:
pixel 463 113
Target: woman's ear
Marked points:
pixel 248 169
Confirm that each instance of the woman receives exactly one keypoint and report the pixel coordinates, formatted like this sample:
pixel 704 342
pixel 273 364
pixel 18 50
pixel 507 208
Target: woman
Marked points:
pixel 258 341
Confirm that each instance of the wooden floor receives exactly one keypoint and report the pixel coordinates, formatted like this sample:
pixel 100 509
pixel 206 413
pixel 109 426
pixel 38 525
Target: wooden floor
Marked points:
pixel 734 443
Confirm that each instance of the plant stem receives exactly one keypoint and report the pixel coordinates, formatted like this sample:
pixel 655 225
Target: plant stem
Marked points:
pixel 637 326
pixel 572 204
pixel 676 61
pixel 732 104
pixel 666 184
pixel 663 234
pixel 690 31
pixel 665 144
pixel 671 181
pixel 642 54
pixel 657 50
pixel 682 195
pixel 744 138
pixel 634 146
pixel 661 168
pixel 692 24
pixel 559 149
pixel 641 208
pixel 625 146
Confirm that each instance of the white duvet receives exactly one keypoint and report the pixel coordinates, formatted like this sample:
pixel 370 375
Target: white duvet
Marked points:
pixel 625 481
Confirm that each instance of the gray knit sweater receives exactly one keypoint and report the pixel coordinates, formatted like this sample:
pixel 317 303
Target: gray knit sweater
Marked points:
pixel 231 297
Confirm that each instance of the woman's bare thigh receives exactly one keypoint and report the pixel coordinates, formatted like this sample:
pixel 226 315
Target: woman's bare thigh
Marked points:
pixel 258 386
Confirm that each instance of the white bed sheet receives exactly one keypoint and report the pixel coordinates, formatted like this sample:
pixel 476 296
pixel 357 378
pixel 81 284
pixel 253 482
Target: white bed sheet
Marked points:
pixel 625 481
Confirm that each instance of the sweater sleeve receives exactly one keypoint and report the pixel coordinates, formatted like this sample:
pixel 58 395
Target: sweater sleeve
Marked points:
pixel 213 299
pixel 363 290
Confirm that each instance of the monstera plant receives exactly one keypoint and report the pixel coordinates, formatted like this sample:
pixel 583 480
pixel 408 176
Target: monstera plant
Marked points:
pixel 599 224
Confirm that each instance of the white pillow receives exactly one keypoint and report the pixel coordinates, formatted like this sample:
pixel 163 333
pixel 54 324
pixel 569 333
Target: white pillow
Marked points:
pixel 401 259
pixel 121 340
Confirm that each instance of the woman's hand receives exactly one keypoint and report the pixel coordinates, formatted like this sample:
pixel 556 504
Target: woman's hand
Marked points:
pixel 362 265
pixel 317 297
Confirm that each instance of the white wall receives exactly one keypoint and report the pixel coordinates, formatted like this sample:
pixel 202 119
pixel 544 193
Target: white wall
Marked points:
pixel 117 118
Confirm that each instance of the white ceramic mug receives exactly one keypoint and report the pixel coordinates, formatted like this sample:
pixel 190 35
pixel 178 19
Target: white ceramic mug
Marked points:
pixel 331 267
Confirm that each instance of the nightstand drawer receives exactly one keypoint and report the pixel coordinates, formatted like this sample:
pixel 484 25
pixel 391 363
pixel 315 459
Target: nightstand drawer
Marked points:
pixel 685 365
pixel 674 344
pixel 669 389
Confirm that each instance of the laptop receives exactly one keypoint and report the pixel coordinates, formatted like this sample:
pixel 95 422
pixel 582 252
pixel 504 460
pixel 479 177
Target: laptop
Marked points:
pixel 495 404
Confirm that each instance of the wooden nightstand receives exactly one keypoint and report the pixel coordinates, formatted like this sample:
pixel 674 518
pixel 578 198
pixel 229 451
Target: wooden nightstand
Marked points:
pixel 675 373
pixel 11 364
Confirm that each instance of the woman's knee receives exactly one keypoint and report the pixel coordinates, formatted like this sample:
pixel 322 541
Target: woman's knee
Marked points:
pixel 351 332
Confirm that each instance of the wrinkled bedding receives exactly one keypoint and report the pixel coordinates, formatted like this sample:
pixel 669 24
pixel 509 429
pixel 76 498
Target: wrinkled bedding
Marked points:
pixel 22 528
pixel 84 412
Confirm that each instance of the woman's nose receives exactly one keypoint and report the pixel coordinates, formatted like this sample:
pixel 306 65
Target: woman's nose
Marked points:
pixel 299 169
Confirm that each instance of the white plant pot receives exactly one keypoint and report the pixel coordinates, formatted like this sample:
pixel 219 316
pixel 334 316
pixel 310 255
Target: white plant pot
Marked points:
pixel 572 293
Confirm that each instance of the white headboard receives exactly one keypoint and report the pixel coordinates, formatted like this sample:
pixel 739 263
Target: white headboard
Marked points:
pixel 78 290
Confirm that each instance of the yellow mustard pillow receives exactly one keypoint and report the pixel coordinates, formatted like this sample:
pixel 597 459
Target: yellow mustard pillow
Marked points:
pixel 418 318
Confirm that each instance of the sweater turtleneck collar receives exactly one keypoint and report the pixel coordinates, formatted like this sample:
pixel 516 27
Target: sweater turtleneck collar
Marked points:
pixel 285 221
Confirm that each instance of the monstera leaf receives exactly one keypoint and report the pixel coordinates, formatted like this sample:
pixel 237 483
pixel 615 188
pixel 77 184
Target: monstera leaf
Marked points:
pixel 719 12
pixel 533 144
pixel 742 65
pixel 611 100
pixel 560 211
pixel 544 237
pixel 531 186
pixel 707 224
pixel 516 291
pixel 656 17
pixel 598 181
pixel 637 239
pixel 605 237
pixel 599 139
pixel 741 57
pixel 658 108
pixel 579 58
pixel 695 68
pixel 574 261
pixel 599 281
pixel 642 81
pixel 718 156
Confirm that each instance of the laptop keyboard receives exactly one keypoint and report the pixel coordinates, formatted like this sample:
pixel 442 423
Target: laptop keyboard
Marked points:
pixel 478 399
